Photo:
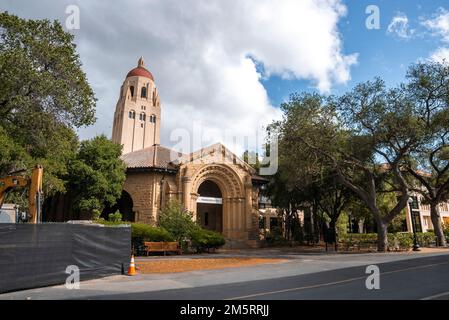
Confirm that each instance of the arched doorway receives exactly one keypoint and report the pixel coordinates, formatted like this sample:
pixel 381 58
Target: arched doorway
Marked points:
pixel 124 205
pixel 210 206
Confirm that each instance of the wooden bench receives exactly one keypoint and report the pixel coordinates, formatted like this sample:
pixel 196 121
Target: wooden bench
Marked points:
pixel 162 247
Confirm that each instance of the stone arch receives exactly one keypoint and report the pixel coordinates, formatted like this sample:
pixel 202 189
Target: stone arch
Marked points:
pixel 232 188
pixel 226 178
pixel 168 189
pixel 125 205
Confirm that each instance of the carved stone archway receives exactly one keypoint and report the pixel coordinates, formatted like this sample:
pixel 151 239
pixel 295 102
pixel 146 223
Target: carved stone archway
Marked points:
pixel 236 199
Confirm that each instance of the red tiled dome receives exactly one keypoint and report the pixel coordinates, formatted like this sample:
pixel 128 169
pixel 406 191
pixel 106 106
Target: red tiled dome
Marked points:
pixel 140 71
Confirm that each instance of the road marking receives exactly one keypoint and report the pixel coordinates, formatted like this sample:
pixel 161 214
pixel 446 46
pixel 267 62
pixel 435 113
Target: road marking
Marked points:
pixel 332 283
pixel 436 296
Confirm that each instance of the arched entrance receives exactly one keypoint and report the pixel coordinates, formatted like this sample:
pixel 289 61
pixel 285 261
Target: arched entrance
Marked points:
pixel 210 206
pixel 236 219
pixel 124 205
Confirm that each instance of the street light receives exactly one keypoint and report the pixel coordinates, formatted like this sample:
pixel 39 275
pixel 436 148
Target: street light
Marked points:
pixel 415 240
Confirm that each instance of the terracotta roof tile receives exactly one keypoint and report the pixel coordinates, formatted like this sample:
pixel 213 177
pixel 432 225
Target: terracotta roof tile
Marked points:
pixel 155 156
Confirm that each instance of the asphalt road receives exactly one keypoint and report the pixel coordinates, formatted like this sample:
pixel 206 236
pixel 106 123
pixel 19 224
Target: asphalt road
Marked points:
pixel 419 278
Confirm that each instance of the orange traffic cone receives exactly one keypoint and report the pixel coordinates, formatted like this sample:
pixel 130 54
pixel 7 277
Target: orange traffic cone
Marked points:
pixel 132 267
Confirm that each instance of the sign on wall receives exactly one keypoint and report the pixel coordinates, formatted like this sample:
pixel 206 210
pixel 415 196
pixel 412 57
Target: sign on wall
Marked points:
pixel 210 200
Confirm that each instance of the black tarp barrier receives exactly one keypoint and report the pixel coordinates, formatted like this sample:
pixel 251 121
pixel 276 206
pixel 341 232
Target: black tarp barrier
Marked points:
pixel 36 255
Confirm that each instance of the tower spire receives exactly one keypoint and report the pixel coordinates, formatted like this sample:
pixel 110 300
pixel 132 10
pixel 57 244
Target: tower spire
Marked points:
pixel 141 62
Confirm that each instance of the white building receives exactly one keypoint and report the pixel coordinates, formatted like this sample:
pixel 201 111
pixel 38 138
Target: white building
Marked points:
pixel 421 212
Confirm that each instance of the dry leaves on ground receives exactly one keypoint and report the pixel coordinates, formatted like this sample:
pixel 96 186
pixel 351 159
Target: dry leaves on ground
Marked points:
pixel 183 265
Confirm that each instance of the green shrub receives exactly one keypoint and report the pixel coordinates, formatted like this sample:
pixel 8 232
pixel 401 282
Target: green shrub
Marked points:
pixel 110 223
pixel 275 237
pixel 149 233
pixel 176 220
pixel 446 230
pixel 396 241
pixel 360 239
pixel 115 217
pixel 96 214
pixel 425 239
pixel 141 232
pixel 404 240
pixel 204 240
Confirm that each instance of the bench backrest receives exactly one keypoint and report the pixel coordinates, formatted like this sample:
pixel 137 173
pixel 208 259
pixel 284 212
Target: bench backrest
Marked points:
pixel 154 245
pixel 161 245
pixel 171 246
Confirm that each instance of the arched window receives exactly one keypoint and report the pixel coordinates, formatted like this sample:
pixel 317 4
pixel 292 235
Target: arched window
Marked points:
pixel 143 92
pixel 131 88
pixel 153 118
pixel 142 116
pixel 132 114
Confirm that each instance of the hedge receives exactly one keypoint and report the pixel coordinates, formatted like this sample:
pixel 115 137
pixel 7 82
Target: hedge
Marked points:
pixel 204 240
pixel 396 241
pixel 200 239
pixel 149 233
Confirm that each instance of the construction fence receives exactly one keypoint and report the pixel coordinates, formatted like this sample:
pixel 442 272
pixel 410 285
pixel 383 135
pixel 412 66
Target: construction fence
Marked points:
pixel 36 255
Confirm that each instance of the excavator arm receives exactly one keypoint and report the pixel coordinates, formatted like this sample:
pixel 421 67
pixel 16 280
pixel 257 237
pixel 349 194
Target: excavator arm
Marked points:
pixel 34 185
pixel 35 195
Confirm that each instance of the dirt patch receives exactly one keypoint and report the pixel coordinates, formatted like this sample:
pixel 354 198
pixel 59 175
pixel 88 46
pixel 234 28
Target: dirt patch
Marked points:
pixel 433 250
pixel 183 265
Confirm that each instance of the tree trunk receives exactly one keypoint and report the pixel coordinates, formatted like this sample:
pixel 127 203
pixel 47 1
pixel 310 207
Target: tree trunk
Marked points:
pixel 437 227
pixel 316 227
pixel 333 226
pixel 288 226
pixel 382 236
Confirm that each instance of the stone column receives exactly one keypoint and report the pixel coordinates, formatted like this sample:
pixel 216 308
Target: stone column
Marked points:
pixel 193 205
pixel 248 204
pixel 186 186
pixel 227 219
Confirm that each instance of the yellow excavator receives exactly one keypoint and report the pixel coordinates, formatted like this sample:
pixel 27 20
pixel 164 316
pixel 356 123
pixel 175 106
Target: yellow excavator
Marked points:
pixel 34 185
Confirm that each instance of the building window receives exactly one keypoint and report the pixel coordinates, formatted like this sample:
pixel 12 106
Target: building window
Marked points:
pixel 415 203
pixel 153 118
pixel 142 116
pixel 206 219
pixel 143 92
pixel 132 115
pixel 132 91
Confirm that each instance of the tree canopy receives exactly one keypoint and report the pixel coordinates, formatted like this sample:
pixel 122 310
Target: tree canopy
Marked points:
pixel 97 174
pixel 44 96
pixel 364 137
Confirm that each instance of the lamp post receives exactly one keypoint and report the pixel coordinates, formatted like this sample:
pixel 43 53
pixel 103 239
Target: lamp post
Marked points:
pixel 412 217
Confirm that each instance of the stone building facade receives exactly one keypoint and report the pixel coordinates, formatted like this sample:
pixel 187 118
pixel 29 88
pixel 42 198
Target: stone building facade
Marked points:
pixel 221 190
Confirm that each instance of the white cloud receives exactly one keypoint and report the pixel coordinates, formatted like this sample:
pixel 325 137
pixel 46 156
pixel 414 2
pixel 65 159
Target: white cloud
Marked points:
pixel 439 24
pixel 440 55
pixel 399 26
pixel 202 55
